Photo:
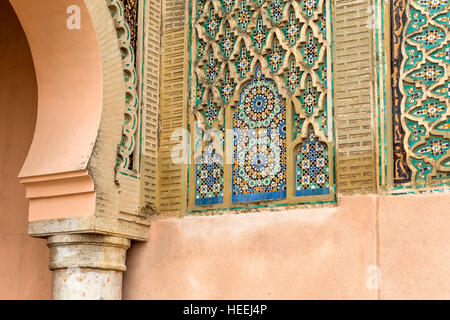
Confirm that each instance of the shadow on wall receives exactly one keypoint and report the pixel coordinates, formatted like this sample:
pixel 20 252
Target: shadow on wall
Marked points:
pixel 24 261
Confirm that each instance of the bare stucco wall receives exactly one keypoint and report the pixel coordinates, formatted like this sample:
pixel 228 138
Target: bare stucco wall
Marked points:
pixel 320 253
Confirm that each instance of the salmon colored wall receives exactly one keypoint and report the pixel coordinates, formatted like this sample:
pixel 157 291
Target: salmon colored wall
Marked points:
pixel 414 249
pixel 24 261
pixel 321 253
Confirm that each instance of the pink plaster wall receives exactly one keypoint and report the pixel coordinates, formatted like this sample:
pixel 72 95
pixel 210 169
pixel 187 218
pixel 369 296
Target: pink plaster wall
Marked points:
pixel 24 261
pixel 318 253
pixel 414 250
pixel 322 253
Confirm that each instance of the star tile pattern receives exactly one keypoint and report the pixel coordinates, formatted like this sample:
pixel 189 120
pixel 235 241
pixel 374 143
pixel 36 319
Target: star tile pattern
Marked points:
pixel 312 167
pixel 209 164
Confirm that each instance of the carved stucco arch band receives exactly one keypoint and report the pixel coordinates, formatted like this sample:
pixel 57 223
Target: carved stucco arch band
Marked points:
pixel 69 174
pixel 128 142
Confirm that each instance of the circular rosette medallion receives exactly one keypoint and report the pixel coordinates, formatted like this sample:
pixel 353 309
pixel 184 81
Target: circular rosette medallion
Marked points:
pixel 260 105
pixel 259 163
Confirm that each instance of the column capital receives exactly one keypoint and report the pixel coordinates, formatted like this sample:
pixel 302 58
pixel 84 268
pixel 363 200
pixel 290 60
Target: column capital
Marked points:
pixel 87 251
pixel 87 266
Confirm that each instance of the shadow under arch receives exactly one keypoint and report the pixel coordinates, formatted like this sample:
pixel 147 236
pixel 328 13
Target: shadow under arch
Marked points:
pixel 24 270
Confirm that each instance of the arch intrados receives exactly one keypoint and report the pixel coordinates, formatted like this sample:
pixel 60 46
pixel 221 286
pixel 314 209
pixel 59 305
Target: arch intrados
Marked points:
pixel 70 86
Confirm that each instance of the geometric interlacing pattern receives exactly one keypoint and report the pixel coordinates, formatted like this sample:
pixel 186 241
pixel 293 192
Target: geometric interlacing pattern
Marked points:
pixel 425 86
pixel 209 164
pixel 209 179
pixel 286 37
pixel 312 167
pixel 286 44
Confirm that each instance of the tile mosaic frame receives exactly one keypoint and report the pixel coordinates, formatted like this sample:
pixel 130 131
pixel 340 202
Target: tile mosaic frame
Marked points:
pixel 204 67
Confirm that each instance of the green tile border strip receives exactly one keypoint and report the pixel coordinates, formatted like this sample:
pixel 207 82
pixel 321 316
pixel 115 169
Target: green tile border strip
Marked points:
pixel 381 64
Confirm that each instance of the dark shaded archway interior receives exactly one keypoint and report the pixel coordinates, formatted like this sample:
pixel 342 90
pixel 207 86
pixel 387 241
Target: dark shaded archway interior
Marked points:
pixel 24 270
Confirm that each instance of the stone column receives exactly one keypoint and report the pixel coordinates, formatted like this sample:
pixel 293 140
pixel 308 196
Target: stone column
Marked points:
pixel 87 266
